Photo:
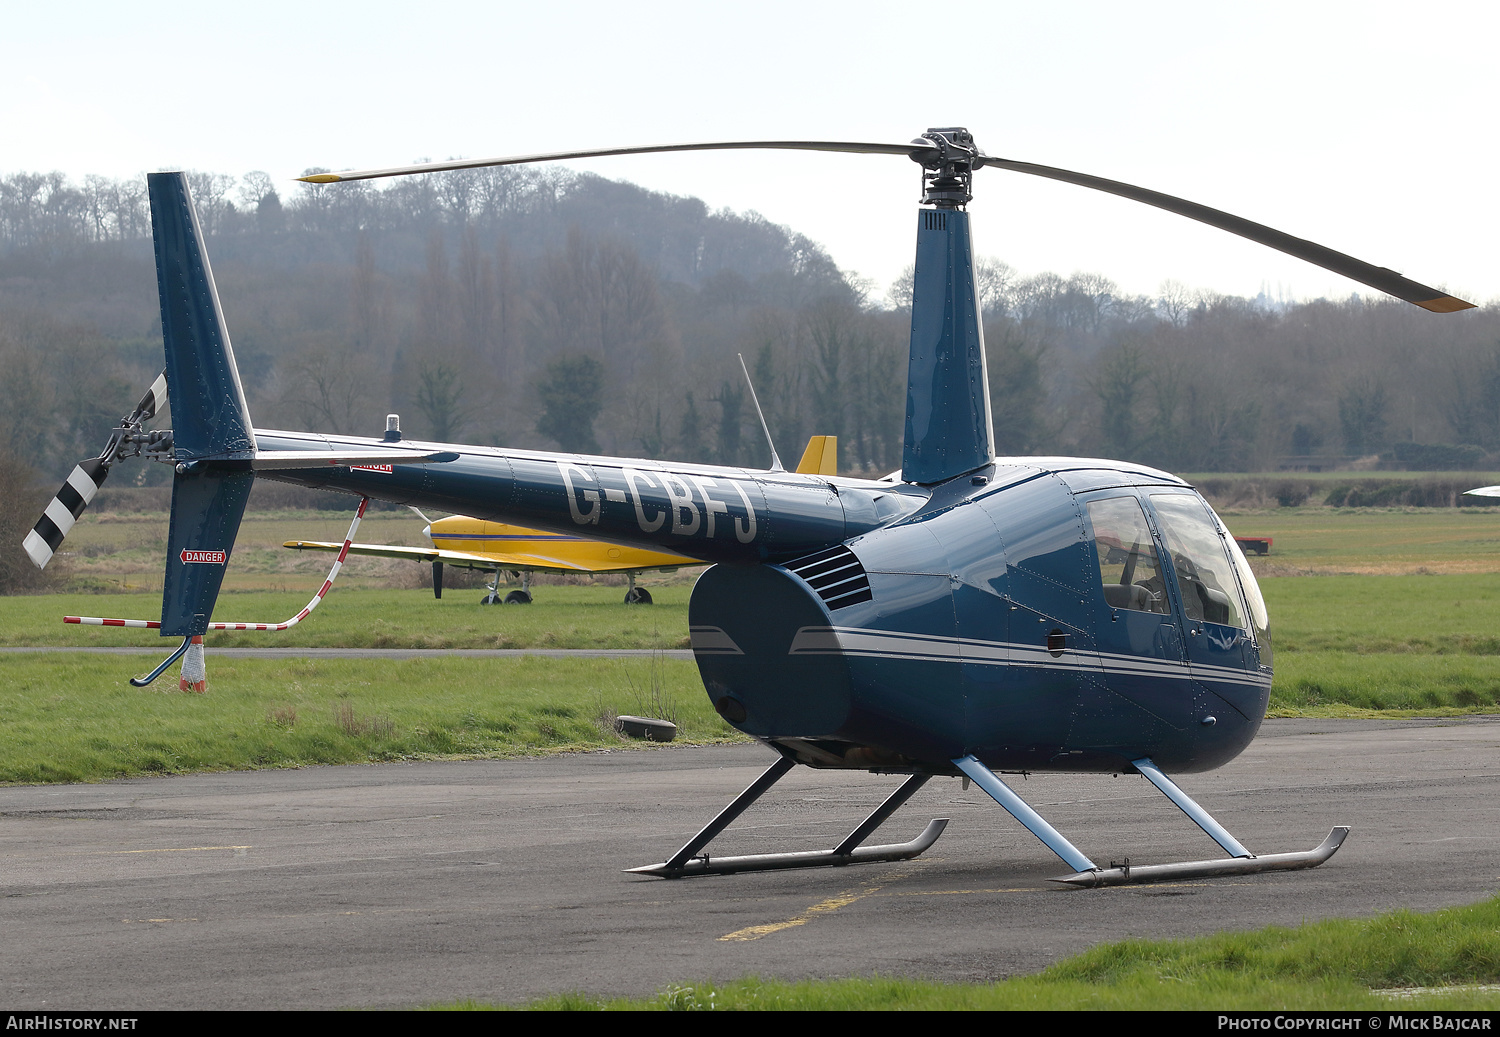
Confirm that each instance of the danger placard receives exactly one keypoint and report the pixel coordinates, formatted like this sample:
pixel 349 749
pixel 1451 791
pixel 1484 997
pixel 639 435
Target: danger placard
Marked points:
pixel 203 557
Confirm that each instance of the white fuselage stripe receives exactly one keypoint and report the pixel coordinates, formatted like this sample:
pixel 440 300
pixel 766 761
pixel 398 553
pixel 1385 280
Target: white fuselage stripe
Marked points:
pixel 881 644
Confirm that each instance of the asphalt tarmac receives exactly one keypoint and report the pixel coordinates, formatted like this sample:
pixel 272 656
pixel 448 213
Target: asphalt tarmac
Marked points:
pixel 401 885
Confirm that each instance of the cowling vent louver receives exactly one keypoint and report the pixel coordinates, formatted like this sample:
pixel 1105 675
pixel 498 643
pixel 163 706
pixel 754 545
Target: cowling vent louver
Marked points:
pixel 836 575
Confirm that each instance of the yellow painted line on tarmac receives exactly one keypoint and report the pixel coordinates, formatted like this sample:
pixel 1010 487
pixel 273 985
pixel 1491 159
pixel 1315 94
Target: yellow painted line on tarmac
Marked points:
pixel 822 907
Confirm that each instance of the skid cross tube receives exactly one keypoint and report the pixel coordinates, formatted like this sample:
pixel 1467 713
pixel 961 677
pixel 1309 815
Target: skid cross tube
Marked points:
pixel 890 806
pixel 758 788
pixel 1087 873
pixel 1186 804
pixel 688 861
pixel 1017 807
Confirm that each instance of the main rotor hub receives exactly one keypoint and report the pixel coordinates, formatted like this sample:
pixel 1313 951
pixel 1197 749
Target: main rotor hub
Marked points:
pixel 948 174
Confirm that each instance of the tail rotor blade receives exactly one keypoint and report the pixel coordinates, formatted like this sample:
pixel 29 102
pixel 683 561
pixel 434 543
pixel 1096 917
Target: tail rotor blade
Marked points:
pixel 154 400
pixel 86 478
pixel 48 533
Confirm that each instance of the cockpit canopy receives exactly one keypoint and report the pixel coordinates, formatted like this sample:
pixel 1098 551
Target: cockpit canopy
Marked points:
pixel 1212 577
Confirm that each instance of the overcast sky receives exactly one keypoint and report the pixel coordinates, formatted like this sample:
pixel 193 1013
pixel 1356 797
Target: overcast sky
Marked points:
pixel 1368 127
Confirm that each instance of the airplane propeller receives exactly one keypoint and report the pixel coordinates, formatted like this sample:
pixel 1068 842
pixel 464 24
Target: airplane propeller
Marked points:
pixel 128 440
pixel 949 157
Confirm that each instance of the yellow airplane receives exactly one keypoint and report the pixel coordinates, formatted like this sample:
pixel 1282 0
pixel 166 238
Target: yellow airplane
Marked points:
pixel 497 548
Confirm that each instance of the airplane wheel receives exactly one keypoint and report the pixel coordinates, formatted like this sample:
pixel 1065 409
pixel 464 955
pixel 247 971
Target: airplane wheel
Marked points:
pixel 638 596
pixel 487 600
pixel 518 598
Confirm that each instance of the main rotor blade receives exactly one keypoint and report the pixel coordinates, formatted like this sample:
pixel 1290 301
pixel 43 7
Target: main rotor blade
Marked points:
pixel 1379 277
pixel 909 149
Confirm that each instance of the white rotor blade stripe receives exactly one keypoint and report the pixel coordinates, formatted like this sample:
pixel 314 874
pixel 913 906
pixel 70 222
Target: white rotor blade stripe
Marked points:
pixel 154 400
pixel 63 510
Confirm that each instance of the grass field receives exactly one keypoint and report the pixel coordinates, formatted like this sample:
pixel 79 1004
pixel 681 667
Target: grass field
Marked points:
pixel 1346 646
pixel 1343 475
pixel 121 553
pixel 76 718
pixel 1372 541
pixel 1393 609
pixel 562 617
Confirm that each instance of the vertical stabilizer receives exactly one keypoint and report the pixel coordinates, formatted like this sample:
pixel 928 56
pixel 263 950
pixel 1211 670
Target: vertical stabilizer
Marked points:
pixel 207 505
pixel 211 431
pixel 209 417
pixel 948 427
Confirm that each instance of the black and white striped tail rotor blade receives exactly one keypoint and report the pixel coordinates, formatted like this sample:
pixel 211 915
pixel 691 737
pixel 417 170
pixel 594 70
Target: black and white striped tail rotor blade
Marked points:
pixel 151 403
pixel 48 533
pixel 87 476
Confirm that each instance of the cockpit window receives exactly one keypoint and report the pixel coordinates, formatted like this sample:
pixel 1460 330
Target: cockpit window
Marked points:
pixel 1260 620
pixel 1127 556
pixel 1205 578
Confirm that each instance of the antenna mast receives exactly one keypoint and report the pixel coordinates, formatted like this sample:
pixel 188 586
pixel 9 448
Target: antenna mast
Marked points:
pixel 775 461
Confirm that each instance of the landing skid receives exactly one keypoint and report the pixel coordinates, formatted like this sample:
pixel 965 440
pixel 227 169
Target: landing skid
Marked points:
pixel 690 861
pixel 1086 873
pixel 1120 875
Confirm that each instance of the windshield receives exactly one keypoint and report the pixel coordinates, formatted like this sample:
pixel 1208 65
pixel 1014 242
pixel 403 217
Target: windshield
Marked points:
pixel 1205 576
pixel 1260 618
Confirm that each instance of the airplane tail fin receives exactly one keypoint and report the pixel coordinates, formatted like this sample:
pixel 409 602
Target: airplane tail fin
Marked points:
pixel 948 426
pixel 821 456
pixel 213 438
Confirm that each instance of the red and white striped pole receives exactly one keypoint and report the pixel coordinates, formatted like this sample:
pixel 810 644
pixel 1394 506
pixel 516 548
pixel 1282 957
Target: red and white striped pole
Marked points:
pixel 194 669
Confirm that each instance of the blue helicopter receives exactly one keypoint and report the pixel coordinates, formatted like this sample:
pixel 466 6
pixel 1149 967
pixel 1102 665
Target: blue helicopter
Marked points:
pixel 974 616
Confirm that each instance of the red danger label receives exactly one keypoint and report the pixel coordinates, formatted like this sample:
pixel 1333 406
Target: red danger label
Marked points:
pixel 370 467
pixel 210 557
